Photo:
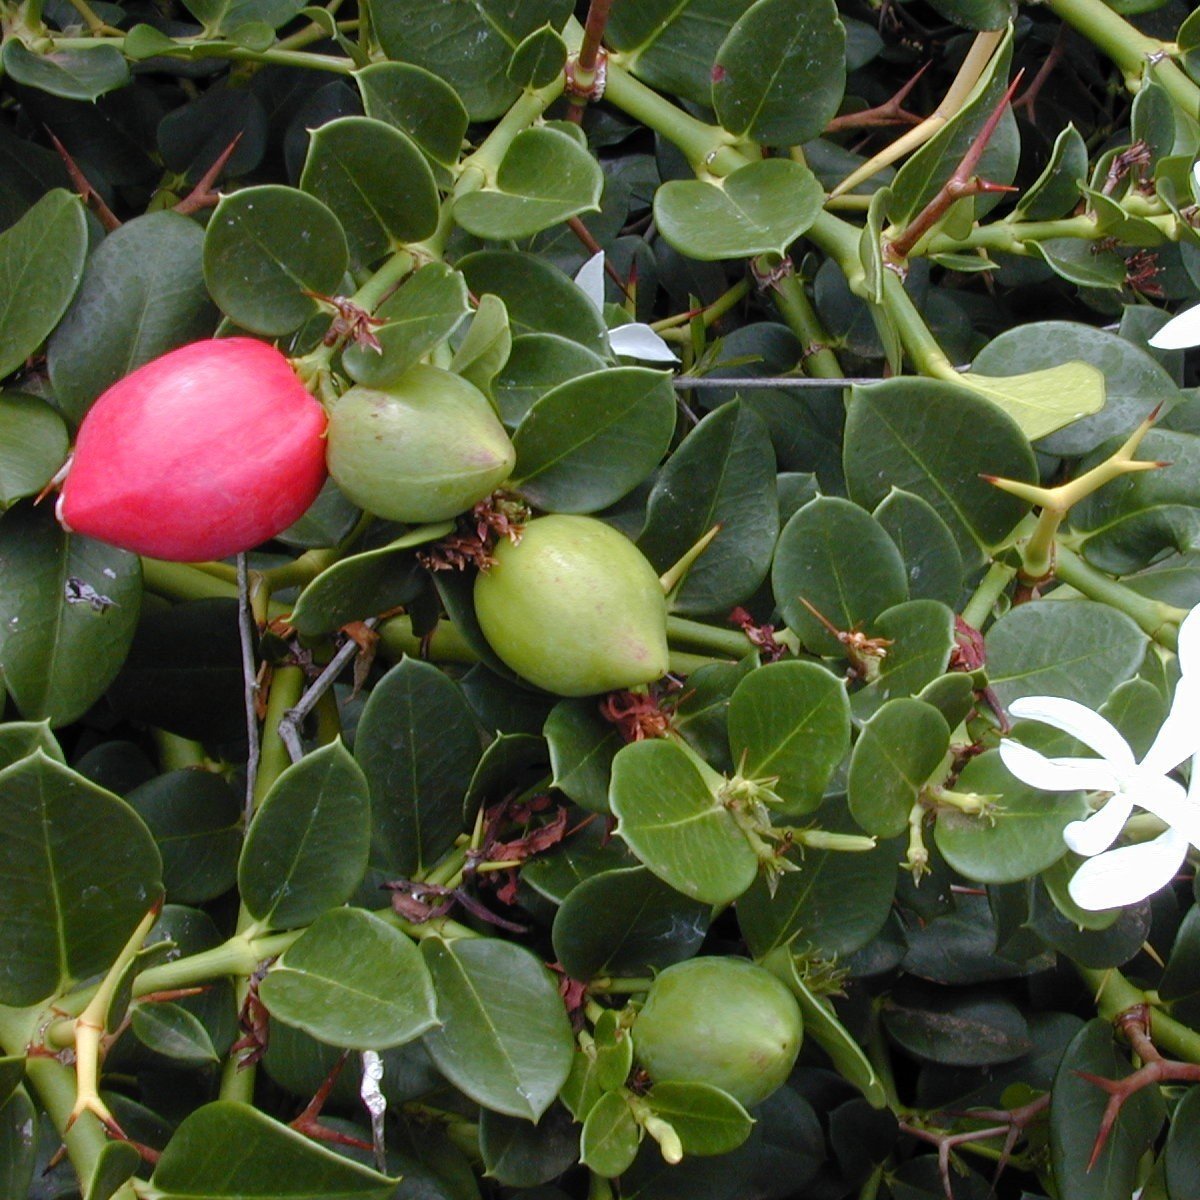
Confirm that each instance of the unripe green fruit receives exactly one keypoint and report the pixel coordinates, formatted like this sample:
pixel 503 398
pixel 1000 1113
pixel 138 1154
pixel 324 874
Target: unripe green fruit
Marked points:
pixel 426 448
pixel 722 1021
pixel 574 608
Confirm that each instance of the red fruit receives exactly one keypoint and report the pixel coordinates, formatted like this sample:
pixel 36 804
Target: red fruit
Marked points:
pixel 204 452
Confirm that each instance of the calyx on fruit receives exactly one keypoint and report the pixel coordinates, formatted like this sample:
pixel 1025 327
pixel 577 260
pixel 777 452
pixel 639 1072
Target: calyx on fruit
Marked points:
pixel 201 453
pixel 722 1021
pixel 574 608
pixel 425 448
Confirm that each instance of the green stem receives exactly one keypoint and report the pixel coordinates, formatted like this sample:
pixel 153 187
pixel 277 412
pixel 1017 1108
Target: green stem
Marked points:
pixel 220 49
pixel 287 685
pixel 991 587
pixel 1013 237
pixel 1115 994
pixel 396 638
pixel 1159 620
pixel 797 311
pixel 177 753
pixel 696 635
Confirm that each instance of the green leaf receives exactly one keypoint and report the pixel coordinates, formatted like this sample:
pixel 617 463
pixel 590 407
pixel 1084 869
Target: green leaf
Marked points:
pixel 1182 1150
pixel 142 294
pixel 625 922
pixel 175 1033
pixel 41 264
pixel 833 905
pixel 1131 383
pixel 18 1144
pixel 538 60
pixel 352 980
pixel 538 363
pixel 836 556
pixel 588 442
pixel 1078 649
pixel 936 439
pixel 671 820
pixel 116 1164
pixel 1056 190
pixel 921 633
pixel 49 873
pixel 33 445
pixel 723 473
pixel 522 1155
pixel 1182 975
pixel 586 853
pixel 708 1120
pixel 306 849
pixel 468 45
pixel 899 748
pixel 671 46
pixel 363 585
pixel 418 103
pixel 230 1151
pixel 544 178
pixel 196 820
pixel 417 743
pixel 582 746
pixel 758 209
pixel 505 1038
pixel 485 349
pixel 780 50
pixel 417 318
pixel 264 249
pixel 919 179
pixel 1043 402
pixel 12 1071
pixel 930 553
pixel 1087 264
pixel 19 738
pixel 72 74
pixel 68 610
pixel 511 761
pixel 610 1138
pixel 539 298
pixel 375 181
pixel 1020 838
pixel 790 720
pixel 957 1030
pixel 1076 1108
pixel 976 14
pixel 228 16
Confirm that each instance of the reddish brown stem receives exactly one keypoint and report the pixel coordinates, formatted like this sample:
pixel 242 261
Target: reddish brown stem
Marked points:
pixel 307 1123
pixel 581 231
pixel 83 186
pixel 203 195
pixel 890 112
pixel 1028 97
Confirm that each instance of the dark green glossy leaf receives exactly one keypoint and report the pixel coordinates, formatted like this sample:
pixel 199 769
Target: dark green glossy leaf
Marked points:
pixel 674 823
pixel 976 14
pixel 610 1136
pixel 930 553
pixel 897 751
pixel 82 74
pixel 18 1144
pixel 958 1030
pixel 723 473
pixel 68 610
pixel 196 820
pixel 777 51
pixel 504 1039
pixel 1182 975
pixel 265 248
pixel 1076 1107
pixel 538 60
pixel 41 264
pixel 587 852
pixel 790 721
pixel 511 762
pixel 12 1071
pixel 33 445
pixel 375 181
pixel 1182 1150
pixel 707 1120
pixel 936 439
pixel 1081 650
pixel 117 1163
pixel 417 744
pixel 306 849
pixel 758 209
pixel 537 364
pixel 174 1033
pixel 586 443
pixel 142 294
pixel 582 746
pixel 49 872
pixel 228 16
pixel 626 922
pixel 1056 190
pixel 230 1151
pixel 352 980
pixel 419 104
pixel 520 1154
pixel 836 556
pixel 467 45
pixel 921 637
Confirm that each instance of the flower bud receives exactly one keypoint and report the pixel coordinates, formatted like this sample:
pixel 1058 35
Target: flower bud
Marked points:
pixel 204 452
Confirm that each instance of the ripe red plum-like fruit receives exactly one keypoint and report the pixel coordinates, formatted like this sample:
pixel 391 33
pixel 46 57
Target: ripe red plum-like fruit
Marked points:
pixel 574 608
pixel 204 452
pixel 425 448
pixel 723 1021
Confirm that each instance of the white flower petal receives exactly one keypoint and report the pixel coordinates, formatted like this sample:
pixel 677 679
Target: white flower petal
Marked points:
pixel 590 280
pixel 1180 331
pixel 1101 829
pixel 1079 721
pixel 1189 643
pixel 1058 774
pixel 640 341
pixel 1127 875
pixel 1168 802
pixel 1179 737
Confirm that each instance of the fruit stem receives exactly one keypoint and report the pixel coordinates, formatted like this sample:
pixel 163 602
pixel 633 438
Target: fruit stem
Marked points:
pixel 695 635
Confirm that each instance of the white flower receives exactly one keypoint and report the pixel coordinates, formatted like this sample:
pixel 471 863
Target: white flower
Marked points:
pixel 1116 877
pixel 1183 330
pixel 634 340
